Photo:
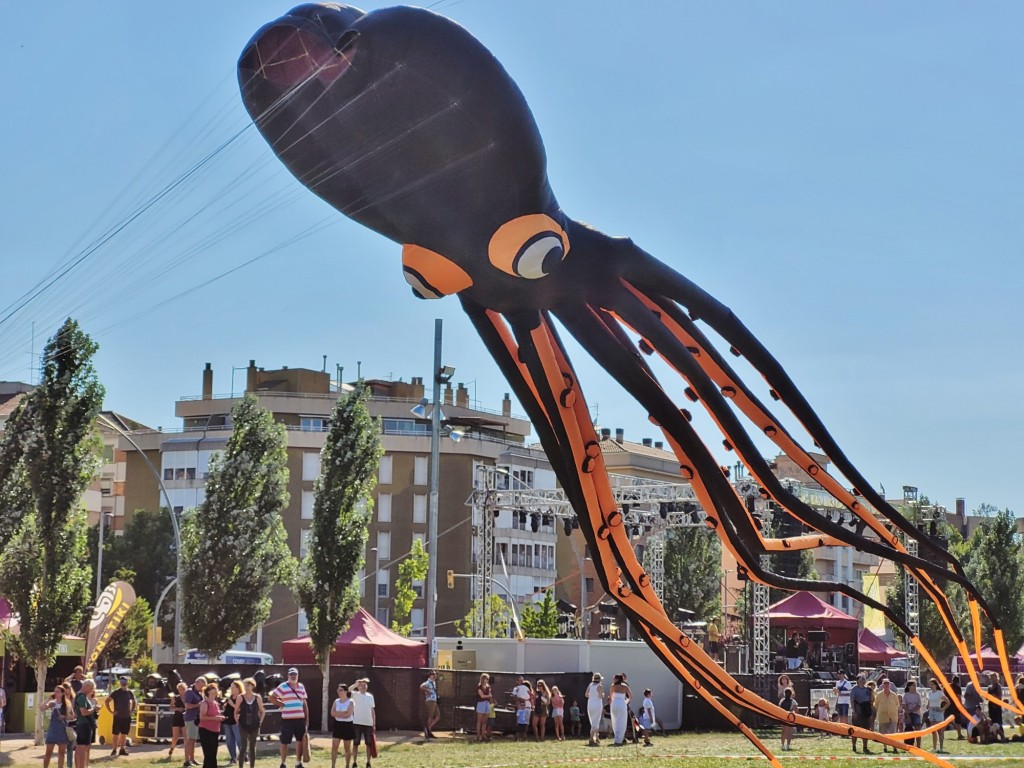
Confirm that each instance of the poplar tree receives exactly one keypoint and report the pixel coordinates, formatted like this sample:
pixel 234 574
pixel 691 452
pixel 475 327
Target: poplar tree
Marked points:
pixel 693 573
pixel 234 546
pixel 413 568
pixel 49 455
pixel 342 508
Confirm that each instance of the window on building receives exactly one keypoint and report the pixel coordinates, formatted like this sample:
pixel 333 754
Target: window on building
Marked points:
pixel 312 423
pixel 108 454
pixel 383 546
pixel 382 616
pixel 590 584
pixel 419 507
pixel 417 587
pixel 419 470
pixel 501 553
pixel 303 623
pixel 304 541
pixel 417 621
pixel 384 507
pixel 361 581
pixel 190 473
pixel 384 473
pixel 310 465
pixel 307 505
pixel 383 581
pixel 405 427
pixel 168 473
pixel 529 556
pixel 179 473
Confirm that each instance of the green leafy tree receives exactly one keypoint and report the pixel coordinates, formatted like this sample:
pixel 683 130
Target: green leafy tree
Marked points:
pixel 693 572
pixel 226 597
pixel 995 566
pixel 499 618
pixel 144 555
pixel 131 641
pixel 541 619
pixel 931 628
pixel 413 568
pixel 52 450
pixel 326 584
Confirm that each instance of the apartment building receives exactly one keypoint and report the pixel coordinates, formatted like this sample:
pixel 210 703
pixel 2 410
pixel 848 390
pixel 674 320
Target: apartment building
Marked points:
pixel 302 400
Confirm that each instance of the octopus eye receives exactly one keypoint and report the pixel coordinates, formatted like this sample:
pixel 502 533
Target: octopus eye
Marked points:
pixel 528 246
pixel 430 274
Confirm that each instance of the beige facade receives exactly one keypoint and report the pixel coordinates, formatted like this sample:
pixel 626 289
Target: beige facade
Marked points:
pixel 302 400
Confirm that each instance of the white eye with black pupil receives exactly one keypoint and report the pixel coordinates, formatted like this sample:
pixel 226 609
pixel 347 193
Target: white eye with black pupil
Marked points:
pixel 538 256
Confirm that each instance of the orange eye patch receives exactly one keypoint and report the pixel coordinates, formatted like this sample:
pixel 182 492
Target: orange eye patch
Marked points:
pixel 528 246
pixel 430 274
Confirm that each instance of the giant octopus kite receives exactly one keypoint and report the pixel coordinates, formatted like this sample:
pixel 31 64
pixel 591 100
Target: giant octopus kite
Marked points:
pixel 406 123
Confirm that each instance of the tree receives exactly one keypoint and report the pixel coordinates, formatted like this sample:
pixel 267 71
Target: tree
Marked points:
pixel 931 628
pixel 541 619
pixel 326 585
pixel 499 619
pixel 144 553
pixel 131 642
pixel 995 566
pixel 693 572
pixel 413 568
pixel 52 449
pixel 234 547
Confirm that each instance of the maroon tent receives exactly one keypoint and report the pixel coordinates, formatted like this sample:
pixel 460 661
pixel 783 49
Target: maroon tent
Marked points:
pixel 874 650
pixel 366 643
pixel 805 611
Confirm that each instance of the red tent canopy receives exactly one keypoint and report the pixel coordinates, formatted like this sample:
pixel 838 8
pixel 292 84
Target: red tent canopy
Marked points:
pixel 366 643
pixel 803 610
pixel 874 650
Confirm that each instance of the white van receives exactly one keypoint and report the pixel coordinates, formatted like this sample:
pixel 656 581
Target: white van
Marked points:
pixel 192 656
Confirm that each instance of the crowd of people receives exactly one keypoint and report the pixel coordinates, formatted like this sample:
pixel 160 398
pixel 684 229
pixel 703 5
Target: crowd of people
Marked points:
pixel 886 708
pixel 536 705
pixel 202 712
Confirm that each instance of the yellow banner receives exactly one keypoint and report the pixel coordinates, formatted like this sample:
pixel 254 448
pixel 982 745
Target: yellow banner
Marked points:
pixel 874 619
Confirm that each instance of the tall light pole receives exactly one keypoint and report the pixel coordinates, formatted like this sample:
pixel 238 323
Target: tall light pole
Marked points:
pixel 99 556
pixel 174 528
pixel 432 501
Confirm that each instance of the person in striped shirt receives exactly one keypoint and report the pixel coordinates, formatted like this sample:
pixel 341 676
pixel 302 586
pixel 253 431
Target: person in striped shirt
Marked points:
pixel 290 696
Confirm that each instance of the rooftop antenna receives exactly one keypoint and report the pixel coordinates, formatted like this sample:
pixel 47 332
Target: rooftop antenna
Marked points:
pixel 324 369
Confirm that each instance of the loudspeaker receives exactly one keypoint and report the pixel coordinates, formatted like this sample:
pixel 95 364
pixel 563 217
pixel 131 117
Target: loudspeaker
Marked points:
pixel 817 636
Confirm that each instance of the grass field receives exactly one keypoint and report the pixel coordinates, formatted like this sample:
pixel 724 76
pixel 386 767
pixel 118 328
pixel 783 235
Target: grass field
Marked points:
pixel 692 750
pixel 704 750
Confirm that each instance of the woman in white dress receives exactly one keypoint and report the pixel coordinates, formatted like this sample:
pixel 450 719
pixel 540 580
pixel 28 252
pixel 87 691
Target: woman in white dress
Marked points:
pixel 620 695
pixel 595 707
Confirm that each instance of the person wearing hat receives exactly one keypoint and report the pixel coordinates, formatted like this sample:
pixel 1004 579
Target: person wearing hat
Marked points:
pixel 595 708
pixel 121 703
pixel 290 696
pixel 432 711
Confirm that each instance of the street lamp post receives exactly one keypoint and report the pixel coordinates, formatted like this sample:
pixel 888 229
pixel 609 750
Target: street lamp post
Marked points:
pixel 174 527
pixel 376 583
pixel 99 556
pixel 432 502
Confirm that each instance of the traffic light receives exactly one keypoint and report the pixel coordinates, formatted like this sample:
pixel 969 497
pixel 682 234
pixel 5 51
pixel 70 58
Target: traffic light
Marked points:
pixel 451 579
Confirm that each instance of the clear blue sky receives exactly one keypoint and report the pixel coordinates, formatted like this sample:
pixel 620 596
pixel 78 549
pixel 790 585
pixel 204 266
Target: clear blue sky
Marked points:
pixel 847 176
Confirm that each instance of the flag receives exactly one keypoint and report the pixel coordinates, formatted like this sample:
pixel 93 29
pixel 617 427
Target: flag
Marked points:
pixel 107 616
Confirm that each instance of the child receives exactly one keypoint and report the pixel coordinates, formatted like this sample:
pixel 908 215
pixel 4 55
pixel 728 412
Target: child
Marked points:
pixel 522 719
pixel 788 703
pixel 574 719
pixel 822 713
